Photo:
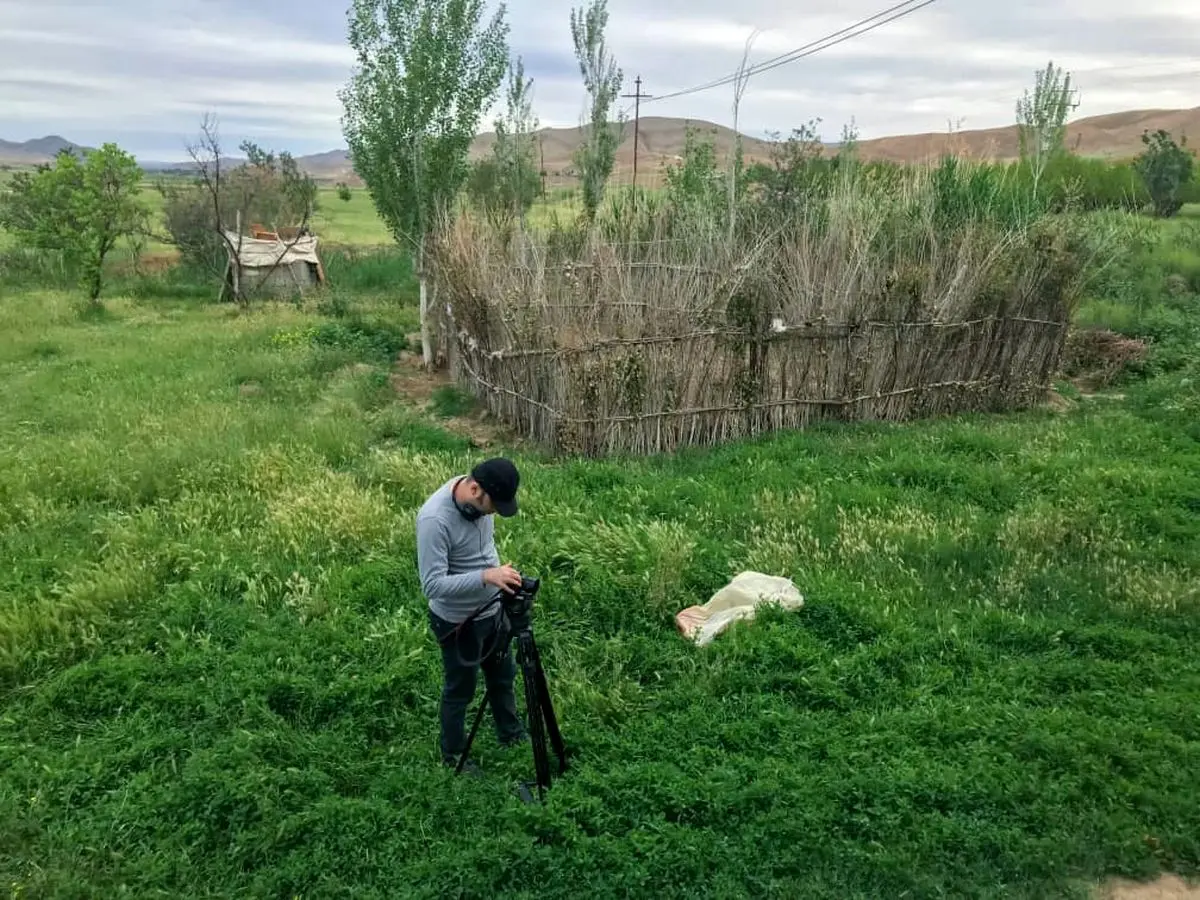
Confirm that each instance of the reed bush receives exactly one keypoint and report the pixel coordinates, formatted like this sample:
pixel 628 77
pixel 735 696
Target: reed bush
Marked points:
pixel 932 290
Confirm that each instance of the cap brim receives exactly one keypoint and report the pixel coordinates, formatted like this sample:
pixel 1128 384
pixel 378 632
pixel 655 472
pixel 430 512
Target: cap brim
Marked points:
pixel 508 509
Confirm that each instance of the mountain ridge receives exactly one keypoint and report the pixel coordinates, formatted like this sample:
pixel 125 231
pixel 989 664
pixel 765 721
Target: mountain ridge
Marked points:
pixel 662 139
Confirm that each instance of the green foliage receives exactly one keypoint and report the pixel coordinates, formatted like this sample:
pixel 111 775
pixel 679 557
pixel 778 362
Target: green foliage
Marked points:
pixel 79 208
pixel 483 186
pixel 1071 182
pixel 344 193
pixel 1042 119
pixel 796 174
pixel 34 267
pixel 697 179
pixel 1166 168
pixel 274 188
pixel 450 400
pixel 514 178
pixel 217 669
pixel 386 271
pixel 602 79
pixel 374 341
pixel 1150 290
pixel 425 71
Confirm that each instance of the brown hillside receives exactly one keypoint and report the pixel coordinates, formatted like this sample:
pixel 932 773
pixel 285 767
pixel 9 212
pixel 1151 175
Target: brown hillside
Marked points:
pixel 1110 136
pixel 661 140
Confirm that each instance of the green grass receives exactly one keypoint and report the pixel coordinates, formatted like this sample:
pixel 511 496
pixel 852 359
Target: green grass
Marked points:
pixel 354 222
pixel 218 680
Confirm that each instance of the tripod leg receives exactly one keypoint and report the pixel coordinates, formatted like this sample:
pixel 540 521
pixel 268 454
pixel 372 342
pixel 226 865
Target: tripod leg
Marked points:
pixel 551 720
pixel 471 737
pixel 533 706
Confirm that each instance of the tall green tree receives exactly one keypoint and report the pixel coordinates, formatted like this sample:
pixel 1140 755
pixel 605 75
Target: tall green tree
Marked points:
pixel 602 78
pixel 1042 119
pixel 515 148
pixel 1166 168
pixel 80 208
pixel 425 72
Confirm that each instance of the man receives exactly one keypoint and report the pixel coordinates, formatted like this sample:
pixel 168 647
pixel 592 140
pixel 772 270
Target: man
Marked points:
pixel 460 573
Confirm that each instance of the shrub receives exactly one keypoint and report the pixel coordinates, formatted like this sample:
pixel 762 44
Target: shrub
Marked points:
pixel 1166 167
pixel 1101 357
pixel 364 339
pixel 78 208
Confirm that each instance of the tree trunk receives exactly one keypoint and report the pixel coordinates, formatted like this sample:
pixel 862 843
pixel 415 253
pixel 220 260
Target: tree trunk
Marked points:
pixel 426 339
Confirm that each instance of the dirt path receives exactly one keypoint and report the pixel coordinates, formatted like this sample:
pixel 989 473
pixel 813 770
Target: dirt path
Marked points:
pixel 415 384
pixel 1168 887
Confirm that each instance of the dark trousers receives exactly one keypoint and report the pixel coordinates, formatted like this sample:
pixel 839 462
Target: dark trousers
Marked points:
pixel 460 664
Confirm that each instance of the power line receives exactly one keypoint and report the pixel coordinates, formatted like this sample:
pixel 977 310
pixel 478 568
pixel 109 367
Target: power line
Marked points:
pixel 892 13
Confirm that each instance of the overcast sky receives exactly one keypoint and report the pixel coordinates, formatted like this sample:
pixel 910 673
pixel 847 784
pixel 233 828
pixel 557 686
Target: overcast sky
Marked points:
pixel 143 72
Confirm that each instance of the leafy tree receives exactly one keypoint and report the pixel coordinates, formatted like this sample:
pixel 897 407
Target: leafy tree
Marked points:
pixel 515 149
pixel 426 70
pixel 78 207
pixel 602 79
pixel 797 171
pixel 1042 120
pixel 1166 168
pixel 696 181
pixel 343 192
pixel 282 194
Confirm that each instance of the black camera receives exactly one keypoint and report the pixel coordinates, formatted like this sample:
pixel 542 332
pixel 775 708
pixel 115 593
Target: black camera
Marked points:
pixel 518 604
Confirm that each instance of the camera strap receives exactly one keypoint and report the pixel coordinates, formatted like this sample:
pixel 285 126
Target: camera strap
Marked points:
pixel 468 620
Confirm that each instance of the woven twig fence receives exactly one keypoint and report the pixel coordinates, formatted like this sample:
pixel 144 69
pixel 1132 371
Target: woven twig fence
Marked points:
pixel 645 349
pixel 637 402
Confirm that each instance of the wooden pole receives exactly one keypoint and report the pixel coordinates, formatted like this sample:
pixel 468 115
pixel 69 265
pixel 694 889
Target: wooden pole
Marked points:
pixel 637 98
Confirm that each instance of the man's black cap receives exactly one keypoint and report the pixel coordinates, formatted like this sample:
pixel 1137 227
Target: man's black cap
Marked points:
pixel 499 479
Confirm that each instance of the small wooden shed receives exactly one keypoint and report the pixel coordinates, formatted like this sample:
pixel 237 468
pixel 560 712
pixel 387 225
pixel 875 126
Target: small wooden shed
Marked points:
pixel 270 265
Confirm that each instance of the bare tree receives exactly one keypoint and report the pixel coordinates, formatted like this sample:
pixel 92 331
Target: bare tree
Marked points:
pixel 236 193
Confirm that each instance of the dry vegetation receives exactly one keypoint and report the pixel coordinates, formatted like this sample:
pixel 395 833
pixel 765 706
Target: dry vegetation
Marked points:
pixel 930 293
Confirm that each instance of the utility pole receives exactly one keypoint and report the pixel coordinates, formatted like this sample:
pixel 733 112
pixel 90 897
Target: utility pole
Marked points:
pixel 637 99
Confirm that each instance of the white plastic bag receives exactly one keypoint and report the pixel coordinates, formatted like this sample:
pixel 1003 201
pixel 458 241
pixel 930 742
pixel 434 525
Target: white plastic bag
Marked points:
pixel 738 600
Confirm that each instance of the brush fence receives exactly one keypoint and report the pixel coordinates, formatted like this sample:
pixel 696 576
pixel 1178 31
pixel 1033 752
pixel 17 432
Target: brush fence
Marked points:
pixel 682 381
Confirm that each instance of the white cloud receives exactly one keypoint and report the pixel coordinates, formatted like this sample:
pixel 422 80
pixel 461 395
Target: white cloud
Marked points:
pixel 142 72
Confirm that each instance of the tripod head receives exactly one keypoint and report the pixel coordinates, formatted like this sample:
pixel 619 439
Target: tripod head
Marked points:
pixel 516 606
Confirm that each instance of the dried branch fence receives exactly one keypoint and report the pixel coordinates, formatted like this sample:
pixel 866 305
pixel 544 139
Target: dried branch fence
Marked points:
pixel 643 348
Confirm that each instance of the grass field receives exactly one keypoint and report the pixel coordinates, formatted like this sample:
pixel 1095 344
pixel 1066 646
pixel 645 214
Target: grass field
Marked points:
pixel 336 221
pixel 218 680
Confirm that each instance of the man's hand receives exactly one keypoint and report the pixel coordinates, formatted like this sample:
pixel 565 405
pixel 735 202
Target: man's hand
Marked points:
pixel 506 578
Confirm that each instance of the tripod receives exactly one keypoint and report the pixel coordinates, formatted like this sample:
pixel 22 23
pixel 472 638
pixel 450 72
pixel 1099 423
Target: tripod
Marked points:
pixel 539 709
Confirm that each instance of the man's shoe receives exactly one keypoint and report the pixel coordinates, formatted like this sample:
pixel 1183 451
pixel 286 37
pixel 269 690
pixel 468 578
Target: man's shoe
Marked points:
pixel 515 741
pixel 470 767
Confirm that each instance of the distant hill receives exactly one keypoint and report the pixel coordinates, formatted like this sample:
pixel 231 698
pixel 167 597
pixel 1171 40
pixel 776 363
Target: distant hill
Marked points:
pixel 1115 135
pixel 661 140
pixel 35 151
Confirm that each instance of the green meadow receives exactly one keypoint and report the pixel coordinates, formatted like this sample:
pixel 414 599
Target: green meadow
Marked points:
pixel 218 679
